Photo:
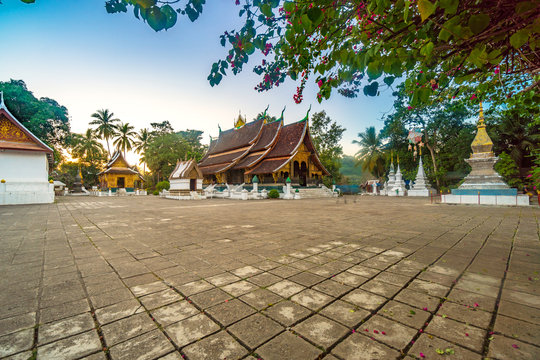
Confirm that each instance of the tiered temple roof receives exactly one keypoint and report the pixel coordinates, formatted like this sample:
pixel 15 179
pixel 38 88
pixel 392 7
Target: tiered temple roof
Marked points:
pixel 258 147
pixel 119 165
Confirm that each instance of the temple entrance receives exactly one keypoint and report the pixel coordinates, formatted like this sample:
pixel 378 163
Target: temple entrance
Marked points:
pixel 121 182
pixel 303 174
pixel 193 184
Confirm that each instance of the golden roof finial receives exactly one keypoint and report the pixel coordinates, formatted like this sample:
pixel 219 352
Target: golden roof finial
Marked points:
pixel 481 117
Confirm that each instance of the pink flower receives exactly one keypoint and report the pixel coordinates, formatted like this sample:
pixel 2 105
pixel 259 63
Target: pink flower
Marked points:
pixel 353 331
pixel 476 305
pixel 515 346
pixel 473 96
pixel 466 334
pixel 320 83
pixel 422 355
pixel 382 332
pixel 425 309
pixel 409 107
pixel 376 331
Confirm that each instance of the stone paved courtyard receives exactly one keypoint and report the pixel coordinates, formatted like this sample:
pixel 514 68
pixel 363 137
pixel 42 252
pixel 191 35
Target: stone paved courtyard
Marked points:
pixel 379 278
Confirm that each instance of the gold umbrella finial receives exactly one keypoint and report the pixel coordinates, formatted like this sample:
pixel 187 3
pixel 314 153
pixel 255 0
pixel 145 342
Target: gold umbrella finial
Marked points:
pixel 481 117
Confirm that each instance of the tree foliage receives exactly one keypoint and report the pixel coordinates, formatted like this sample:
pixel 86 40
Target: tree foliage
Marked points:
pixel 124 137
pixel 87 148
pixel 44 117
pixel 326 135
pixel 442 48
pixel 106 125
pixel 371 155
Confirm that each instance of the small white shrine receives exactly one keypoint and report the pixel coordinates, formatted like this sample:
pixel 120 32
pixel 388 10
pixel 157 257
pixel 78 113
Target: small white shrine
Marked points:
pixel 186 181
pixel 421 185
pixel 24 163
pixel 398 188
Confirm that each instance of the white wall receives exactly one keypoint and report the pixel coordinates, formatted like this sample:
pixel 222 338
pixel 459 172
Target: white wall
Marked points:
pixel 23 166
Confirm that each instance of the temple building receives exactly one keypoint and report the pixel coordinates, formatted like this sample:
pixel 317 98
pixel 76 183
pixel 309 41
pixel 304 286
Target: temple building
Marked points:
pixel 185 178
pixel 269 149
pixel 24 163
pixel 119 175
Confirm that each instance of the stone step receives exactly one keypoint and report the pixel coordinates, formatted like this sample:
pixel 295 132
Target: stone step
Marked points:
pixel 313 193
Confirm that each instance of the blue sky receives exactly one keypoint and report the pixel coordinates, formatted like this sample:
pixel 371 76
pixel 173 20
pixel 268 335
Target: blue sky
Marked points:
pixel 86 59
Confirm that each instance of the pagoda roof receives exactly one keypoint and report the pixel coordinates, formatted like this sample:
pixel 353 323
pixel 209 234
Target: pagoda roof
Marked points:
pixel 268 137
pixel 237 138
pixel 184 168
pixel 15 136
pixel 118 165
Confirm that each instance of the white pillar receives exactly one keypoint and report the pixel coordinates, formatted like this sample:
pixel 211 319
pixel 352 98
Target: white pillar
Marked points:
pixel 256 187
pixel 110 192
pixel 244 194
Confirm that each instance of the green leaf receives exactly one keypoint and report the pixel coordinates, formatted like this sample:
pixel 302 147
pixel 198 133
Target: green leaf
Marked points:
pixel 266 9
pixel 155 18
pixel 306 23
pixel 525 6
pixel 426 8
pixel 145 4
pixel 439 351
pixel 289 6
pixel 478 23
pixel 28 1
pixel 449 6
pixel 389 80
pixel 406 10
pixel 444 35
pixel 412 312
pixel 170 16
pixel 449 351
pixel 374 70
pixel 519 38
pixel 249 48
pixel 371 89
pixel 427 49
pixel 315 15
pixel 423 94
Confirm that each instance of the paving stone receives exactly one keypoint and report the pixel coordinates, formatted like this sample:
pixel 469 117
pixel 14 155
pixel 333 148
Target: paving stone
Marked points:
pixel 16 323
pixel 363 271
pixel 519 311
pixel 312 299
pixel 159 299
pixel 467 314
pixel 239 288
pixel 63 328
pixel 364 299
pixel 145 347
pixel 360 347
pixel 477 287
pixel 218 346
pixel 512 328
pixel 172 313
pixel 350 279
pixel 287 313
pixel 194 287
pixel 284 271
pixel 209 298
pixel 127 328
pixel 118 311
pixel 521 298
pixel 140 290
pixel 191 329
pixel 306 279
pixel 172 356
pixel 288 346
pixel 462 297
pixel 222 279
pixel 20 356
pixel 286 288
pixel 345 313
pixel 264 279
pixel 71 347
pixel 428 345
pixel 405 314
pixel 380 288
pixel 246 271
pixel 260 299
pixel 466 335
pixel 229 312
pixel 506 348
pixel 418 300
pixel 16 342
pixel 255 330
pixel 321 331
pixel 110 297
pixel 387 331
pixel 97 356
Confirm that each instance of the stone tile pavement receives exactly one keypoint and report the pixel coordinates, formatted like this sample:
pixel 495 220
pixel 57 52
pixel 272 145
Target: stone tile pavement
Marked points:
pixel 374 278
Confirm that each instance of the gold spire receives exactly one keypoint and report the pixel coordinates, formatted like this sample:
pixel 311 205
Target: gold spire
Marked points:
pixel 482 143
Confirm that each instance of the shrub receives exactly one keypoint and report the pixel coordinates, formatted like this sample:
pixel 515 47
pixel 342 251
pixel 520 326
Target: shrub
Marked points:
pixel 273 194
pixel 162 185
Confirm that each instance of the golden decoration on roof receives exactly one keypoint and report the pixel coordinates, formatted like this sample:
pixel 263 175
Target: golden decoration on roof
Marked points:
pixel 10 132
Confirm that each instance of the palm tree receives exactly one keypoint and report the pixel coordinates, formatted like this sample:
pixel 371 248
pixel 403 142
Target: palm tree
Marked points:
pixel 124 137
pixel 87 147
pixel 106 127
pixel 141 144
pixel 371 153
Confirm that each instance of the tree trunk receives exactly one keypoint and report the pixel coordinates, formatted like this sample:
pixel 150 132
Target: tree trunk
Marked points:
pixel 433 160
pixel 108 148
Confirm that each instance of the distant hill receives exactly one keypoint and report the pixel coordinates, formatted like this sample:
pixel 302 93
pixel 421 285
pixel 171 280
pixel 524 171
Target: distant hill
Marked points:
pixel 352 174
